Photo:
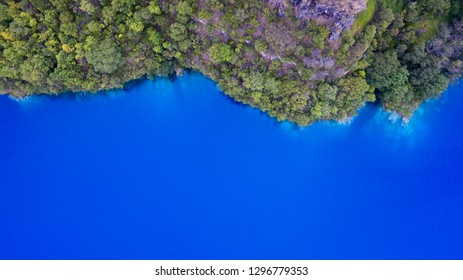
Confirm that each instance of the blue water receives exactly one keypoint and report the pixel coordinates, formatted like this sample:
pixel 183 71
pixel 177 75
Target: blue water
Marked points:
pixel 177 170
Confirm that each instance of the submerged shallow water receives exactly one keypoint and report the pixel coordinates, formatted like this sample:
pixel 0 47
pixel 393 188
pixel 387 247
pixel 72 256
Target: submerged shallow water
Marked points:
pixel 177 170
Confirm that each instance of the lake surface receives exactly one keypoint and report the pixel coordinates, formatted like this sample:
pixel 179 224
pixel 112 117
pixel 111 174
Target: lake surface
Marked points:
pixel 177 170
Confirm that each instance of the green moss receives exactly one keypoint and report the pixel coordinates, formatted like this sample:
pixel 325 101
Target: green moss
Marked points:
pixel 364 17
pixel 430 27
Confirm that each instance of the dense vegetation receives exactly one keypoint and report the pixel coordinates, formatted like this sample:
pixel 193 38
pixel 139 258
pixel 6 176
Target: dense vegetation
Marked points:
pixel 259 52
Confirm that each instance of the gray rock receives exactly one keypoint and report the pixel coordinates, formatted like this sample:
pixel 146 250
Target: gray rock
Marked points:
pixel 338 15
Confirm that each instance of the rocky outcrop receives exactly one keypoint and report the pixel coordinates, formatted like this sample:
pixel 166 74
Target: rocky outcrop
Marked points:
pixel 318 63
pixel 279 5
pixel 337 15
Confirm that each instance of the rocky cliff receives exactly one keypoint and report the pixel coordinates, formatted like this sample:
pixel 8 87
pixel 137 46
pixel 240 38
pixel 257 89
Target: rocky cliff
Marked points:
pixel 337 15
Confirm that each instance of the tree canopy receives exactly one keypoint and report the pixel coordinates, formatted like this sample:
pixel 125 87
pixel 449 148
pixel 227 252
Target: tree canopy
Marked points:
pixel 272 55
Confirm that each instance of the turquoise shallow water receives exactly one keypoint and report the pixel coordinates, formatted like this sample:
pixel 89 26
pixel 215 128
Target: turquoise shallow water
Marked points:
pixel 177 170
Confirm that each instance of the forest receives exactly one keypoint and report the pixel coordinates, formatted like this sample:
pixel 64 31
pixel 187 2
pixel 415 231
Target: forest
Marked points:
pixel 298 60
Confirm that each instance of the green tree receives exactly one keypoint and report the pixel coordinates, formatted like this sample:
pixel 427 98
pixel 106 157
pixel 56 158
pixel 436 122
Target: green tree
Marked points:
pixel 178 32
pixel 220 53
pixel 386 71
pixel 105 57
pixel 436 7
pixel 253 81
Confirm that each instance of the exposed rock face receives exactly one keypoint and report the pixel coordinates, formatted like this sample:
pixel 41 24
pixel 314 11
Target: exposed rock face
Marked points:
pixel 318 63
pixel 337 15
pixel 280 5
